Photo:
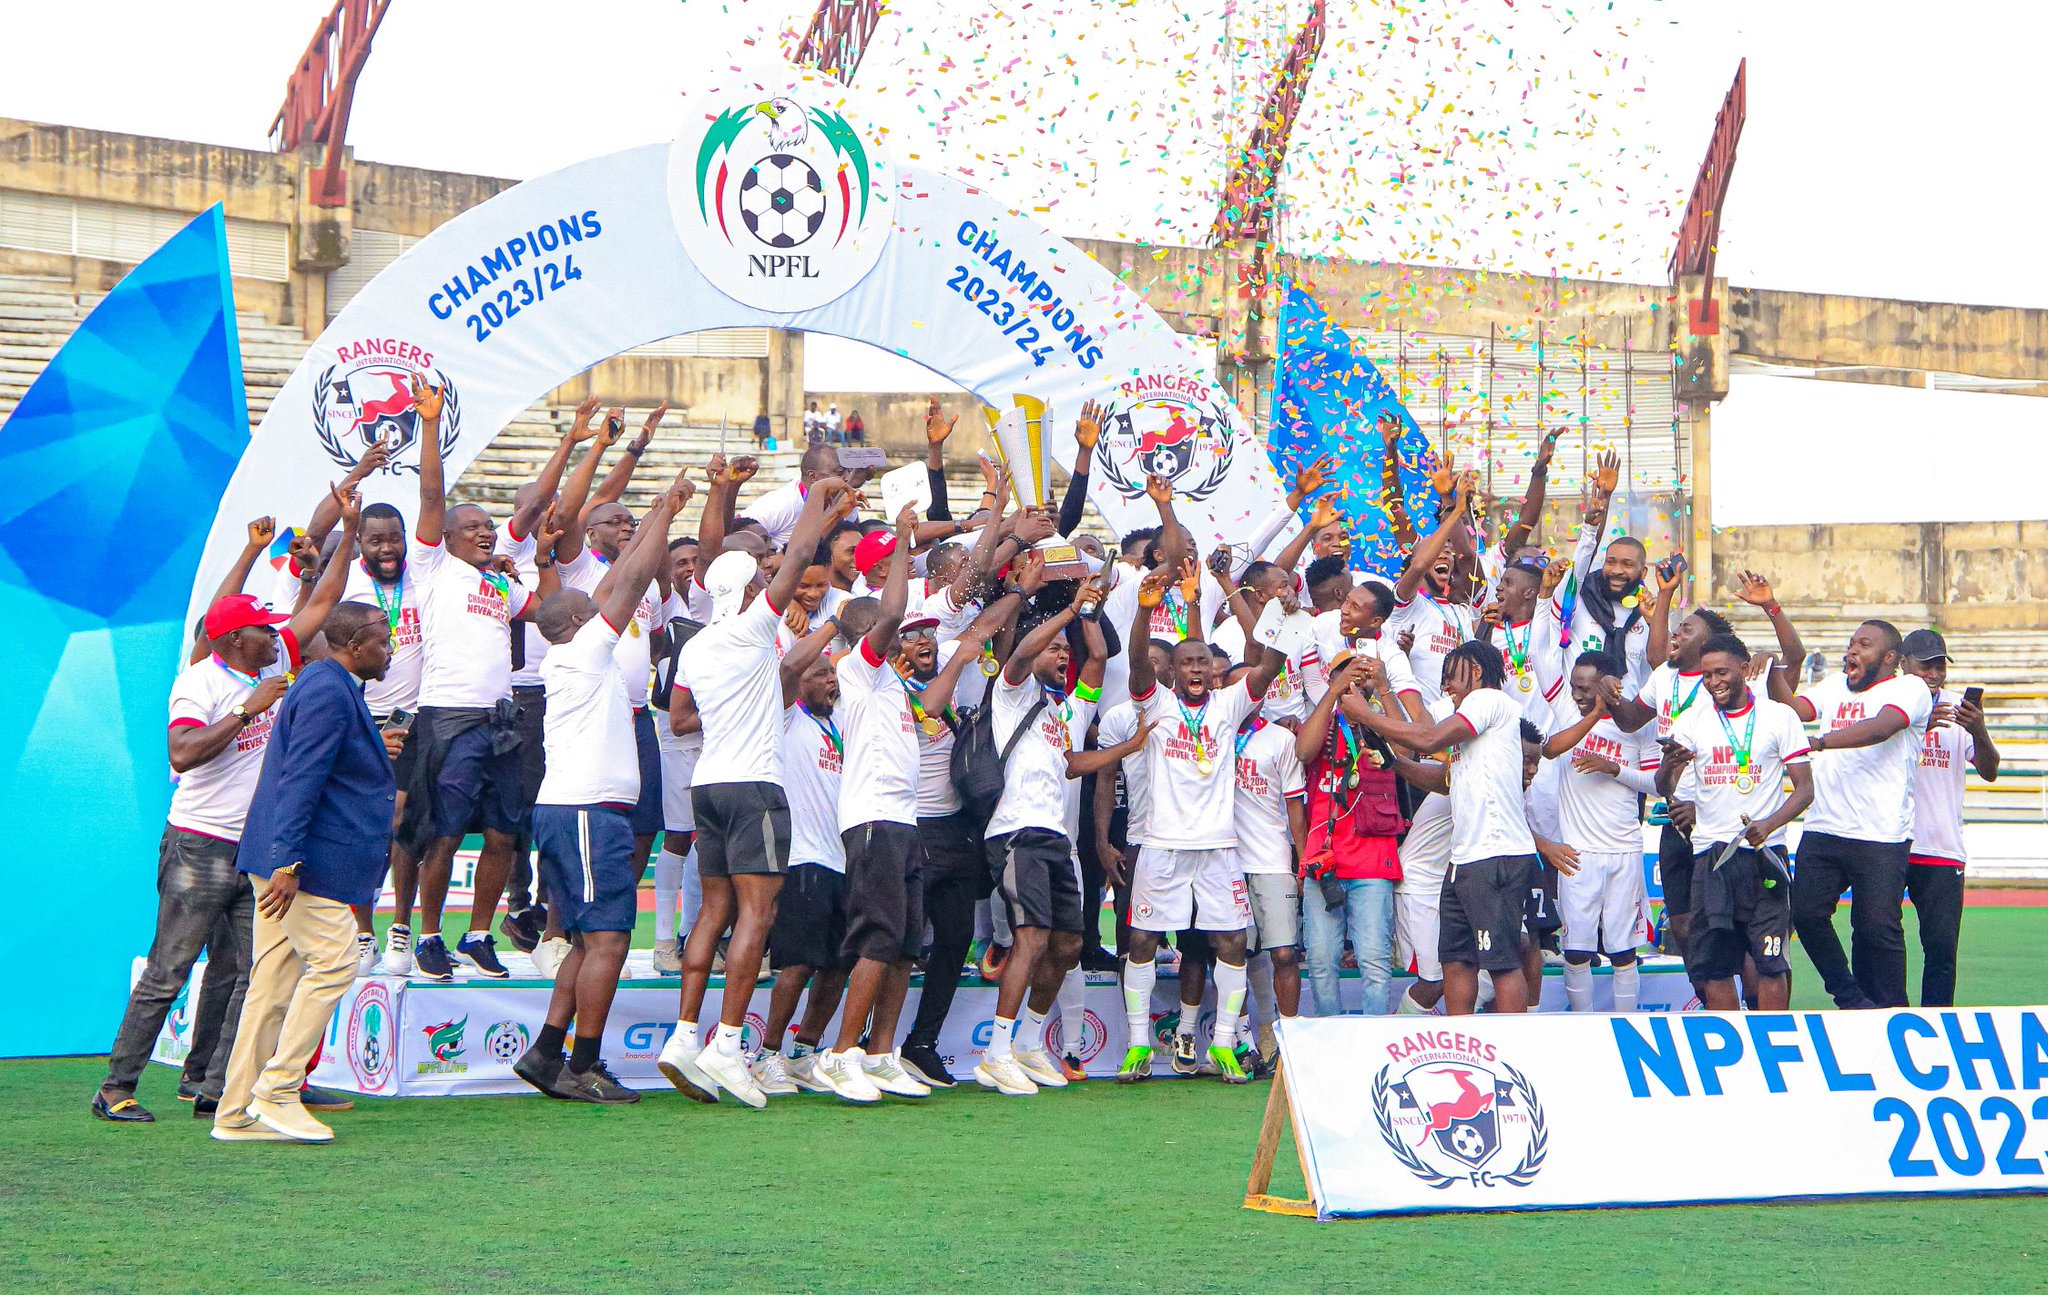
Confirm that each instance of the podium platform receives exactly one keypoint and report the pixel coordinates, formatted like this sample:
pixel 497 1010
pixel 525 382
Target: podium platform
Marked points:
pixel 398 1037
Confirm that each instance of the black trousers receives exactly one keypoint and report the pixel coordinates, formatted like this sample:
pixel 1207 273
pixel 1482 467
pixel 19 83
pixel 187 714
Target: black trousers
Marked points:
pixel 1876 870
pixel 1092 875
pixel 207 1060
pixel 955 880
pixel 521 886
pixel 1936 890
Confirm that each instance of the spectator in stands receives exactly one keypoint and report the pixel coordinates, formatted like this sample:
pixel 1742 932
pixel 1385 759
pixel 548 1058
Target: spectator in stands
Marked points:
pixel 319 834
pixel 764 431
pixel 856 429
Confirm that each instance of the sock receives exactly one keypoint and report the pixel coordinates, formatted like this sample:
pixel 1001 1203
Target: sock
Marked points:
pixel 1189 1014
pixel 1139 977
pixel 584 1055
pixel 1406 1005
pixel 549 1041
pixel 999 1038
pixel 727 1039
pixel 1627 984
pixel 798 1048
pixel 1230 986
pixel 1032 1035
pixel 693 889
pixel 1578 986
pixel 687 1032
pixel 1263 998
pixel 668 889
pixel 1073 1010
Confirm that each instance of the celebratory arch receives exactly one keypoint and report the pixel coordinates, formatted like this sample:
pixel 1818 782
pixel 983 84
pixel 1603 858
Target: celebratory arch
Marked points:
pixel 778 204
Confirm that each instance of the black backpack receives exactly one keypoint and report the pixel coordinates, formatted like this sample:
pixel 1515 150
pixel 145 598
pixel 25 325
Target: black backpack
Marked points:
pixel 979 766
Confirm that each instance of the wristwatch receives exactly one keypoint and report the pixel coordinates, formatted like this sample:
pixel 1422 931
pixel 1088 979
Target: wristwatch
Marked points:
pixel 291 869
pixel 242 713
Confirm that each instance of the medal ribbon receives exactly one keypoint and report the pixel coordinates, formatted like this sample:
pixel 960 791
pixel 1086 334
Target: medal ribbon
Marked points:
pixel 1194 725
pixel 1249 731
pixel 915 687
pixel 1518 657
pixel 1176 611
pixel 246 680
pixel 1681 707
pixel 1748 736
pixel 394 608
pixel 830 728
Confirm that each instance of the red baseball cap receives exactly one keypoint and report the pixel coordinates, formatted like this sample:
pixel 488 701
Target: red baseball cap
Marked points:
pixel 239 612
pixel 872 549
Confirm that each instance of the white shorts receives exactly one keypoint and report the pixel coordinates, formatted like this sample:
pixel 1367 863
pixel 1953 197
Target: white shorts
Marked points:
pixel 1418 918
pixel 1172 890
pixel 678 766
pixel 1603 903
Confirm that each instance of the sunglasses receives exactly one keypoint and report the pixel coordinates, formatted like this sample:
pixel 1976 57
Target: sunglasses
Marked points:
pixel 922 632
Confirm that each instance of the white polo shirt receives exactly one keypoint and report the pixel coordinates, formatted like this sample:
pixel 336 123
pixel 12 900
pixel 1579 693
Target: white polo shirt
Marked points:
pixel 588 734
pixel 466 616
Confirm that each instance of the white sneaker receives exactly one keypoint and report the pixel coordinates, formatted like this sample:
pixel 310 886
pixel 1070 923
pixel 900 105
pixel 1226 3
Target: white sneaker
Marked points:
pixel 1005 1076
pixel 397 959
pixel 668 959
pixel 846 1074
pixel 887 1073
pixel 678 1065
pixel 729 1071
pixel 803 1072
pixel 772 1073
pixel 548 957
pixel 1039 1065
pixel 366 954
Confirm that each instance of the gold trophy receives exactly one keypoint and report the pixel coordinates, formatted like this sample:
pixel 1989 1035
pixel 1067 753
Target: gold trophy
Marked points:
pixel 1019 434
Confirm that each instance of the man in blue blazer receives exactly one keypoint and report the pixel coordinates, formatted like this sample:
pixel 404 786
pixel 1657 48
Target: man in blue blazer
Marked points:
pixel 319 831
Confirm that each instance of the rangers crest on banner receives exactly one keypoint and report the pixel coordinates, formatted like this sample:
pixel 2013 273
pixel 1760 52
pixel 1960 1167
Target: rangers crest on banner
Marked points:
pixel 1170 426
pixel 365 397
pixel 780 198
pixel 1450 1111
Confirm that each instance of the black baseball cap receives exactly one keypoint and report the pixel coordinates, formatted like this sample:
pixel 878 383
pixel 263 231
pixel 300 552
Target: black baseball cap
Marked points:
pixel 1924 645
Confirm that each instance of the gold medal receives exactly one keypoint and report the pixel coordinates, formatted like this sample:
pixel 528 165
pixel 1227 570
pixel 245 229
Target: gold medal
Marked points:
pixel 932 726
pixel 1525 683
pixel 1629 601
pixel 1744 783
pixel 1203 764
pixel 988 664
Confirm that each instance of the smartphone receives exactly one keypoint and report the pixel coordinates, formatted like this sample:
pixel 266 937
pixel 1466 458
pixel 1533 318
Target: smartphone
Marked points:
pixel 400 718
pixel 615 424
pixel 1974 697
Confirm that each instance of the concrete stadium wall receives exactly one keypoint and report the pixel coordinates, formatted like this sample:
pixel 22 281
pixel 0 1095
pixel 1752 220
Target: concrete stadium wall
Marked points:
pixel 1959 575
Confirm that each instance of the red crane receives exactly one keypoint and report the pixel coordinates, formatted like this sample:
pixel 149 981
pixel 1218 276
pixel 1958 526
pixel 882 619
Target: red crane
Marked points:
pixel 838 36
pixel 321 88
pixel 1700 230
pixel 1249 190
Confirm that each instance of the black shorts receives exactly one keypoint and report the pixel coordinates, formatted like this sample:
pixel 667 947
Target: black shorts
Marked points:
pixel 884 892
pixel 478 786
pixel 589 865
pixel 953 854
pixel 1540 916
pixel 1744 906
pixel 1034 872
pixel 647 810
pixel 1674 870
pixel 531 705
pixel 742 829
pixel 810 920
pixel 1484 905
pixel 407 758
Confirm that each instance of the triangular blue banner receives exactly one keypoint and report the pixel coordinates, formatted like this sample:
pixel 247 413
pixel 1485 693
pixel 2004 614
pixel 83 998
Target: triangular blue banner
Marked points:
pixel 1327 398
pixel 113 459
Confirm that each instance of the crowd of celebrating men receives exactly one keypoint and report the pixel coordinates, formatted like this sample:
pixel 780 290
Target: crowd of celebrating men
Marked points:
pixel 872 745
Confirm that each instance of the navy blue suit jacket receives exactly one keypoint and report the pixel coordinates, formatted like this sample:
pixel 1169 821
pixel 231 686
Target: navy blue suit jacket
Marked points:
pixel 325 796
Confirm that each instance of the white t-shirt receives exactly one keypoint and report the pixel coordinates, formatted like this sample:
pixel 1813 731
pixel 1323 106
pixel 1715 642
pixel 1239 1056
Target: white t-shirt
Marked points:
pixel 812 764
pixel 1170 622
pixel 1426 850
pixel 1866 792
pixel 1597 812
pixel 1118 725
pixel 1286 696
pixel 399 689
pixel 1439 627
pixel 1035 779
pixel 1488 819
pixel 972 689
pixel 882 756
pixel 521 551
pixel 777 512
pixel 588 733
pixel 1672 692
pixel 635 646
pixel 1587 635
pixel 1195 810
pixel 1268 774
pixel 466 616
pixel 1330 642
pixel 1539 680
pixel 1945 756
pixel 733 672
pixel 937 796
pixel 212 799
pixel 1776 740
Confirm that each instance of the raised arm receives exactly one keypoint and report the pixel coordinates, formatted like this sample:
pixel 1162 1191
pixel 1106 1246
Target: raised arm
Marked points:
pixel 261 532
pixel 622 588
pixel 1660 612
pixel 1087 431
pixel 311 616
pixel 1392 498
pixel 575 491
pixel 1018 667
pixel 326 513
pixel 1324 514
pixel 1175 546
pixel 798 659
pixel 1756 591
pixel 1089 676
pixel 526 516
pixel 824 497
pixel 938 694
pixel 1526 521
pixel 613 487
pixel 937 427
pixel 1432 545
pixel 881 638
pixel 1151 592
pixel 432 522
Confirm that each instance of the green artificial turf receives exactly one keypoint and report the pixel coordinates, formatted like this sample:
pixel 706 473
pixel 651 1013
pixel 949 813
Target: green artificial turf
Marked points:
pixel 1098 1188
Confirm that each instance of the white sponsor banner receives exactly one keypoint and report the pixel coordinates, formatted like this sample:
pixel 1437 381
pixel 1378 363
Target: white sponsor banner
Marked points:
pixel 397 1038
pixel 776 205
pixel 1400 1115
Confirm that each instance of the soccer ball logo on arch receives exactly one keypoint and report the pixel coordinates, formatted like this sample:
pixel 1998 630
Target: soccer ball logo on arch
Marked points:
pixel 781 199
pixel 1167 425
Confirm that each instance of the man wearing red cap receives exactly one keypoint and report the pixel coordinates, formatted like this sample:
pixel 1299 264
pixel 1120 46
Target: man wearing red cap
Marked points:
pixel 220 724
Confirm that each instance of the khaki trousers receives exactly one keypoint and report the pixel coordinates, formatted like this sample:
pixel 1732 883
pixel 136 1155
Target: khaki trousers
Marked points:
pixel 302 964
